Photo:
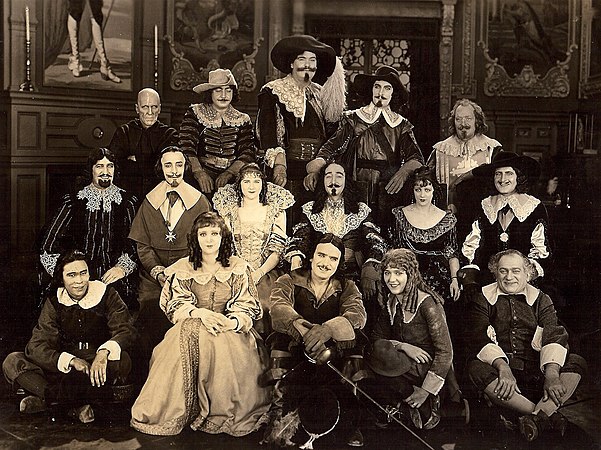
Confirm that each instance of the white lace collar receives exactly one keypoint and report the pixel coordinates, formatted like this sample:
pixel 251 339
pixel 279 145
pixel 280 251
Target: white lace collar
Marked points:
pixel 491 293
pixel 351 221
pixel 371 113
pixel 291 95
pixel 453 146
pixel 210 118
pixel 96 290
pixel 408 316
pixel 522 205
pixel 187 193
pixel 185 271
pixel 225 200
pixel 100 197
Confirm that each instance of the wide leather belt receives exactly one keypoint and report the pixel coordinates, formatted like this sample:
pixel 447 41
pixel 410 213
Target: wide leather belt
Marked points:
pixel 215 161
pixel 304 150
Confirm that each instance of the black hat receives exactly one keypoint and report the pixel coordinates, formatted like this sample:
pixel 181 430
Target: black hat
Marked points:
pixel 528 166
pixel 364 83
pixel 385 359
pixel 287 49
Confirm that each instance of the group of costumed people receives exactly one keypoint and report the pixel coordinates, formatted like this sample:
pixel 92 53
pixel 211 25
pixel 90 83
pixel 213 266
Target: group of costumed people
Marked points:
pixel 335 251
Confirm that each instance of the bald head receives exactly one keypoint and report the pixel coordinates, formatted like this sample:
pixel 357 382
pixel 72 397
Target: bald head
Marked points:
pixel 148 107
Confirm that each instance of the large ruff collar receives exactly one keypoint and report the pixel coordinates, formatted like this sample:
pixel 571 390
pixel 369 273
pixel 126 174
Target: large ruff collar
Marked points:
pixel 210 118
pixel 522 206
pixel 291 95
pixel 100 198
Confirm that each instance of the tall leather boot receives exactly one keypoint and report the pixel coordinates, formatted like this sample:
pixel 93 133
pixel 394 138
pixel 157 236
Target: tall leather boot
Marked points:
pixel 74 63
pixel 105 69
pixel 279 360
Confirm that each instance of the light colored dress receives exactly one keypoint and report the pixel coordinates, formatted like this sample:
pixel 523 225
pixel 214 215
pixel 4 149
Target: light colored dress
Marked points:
pixel 254 241
pixel 209 382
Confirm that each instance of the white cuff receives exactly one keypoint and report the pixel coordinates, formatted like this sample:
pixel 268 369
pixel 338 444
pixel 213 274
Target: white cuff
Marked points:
pixel 63 362
pixel 539 269
pixel 553 353
pixel 271 153
pixel 432 383
pixel 114 350
pixel 490 352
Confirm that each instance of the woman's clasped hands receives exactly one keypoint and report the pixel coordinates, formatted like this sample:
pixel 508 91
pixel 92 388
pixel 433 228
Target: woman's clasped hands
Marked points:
pixel 214 322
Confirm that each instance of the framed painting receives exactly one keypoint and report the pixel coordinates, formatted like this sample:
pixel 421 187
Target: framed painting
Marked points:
pixel 208 34
pixel 590 48
pixel 80 36
pixel 527 46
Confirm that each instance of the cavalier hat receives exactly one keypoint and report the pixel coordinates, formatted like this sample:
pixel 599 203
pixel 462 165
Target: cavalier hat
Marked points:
pixel 217 78
pixel 287 49
pixel 386 360
pixel 364 83
pixel 528 166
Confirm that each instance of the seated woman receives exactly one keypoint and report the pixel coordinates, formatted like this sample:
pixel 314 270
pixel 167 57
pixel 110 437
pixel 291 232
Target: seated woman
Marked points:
pixel 412 352
pixel 84 326
pixel 255 211
pixel 204 372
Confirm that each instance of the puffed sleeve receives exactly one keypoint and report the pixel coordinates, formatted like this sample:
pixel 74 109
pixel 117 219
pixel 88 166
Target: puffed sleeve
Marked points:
pixel 189 134
pixel 57 231
pixel 177 299
pixel 244 305
pixel 339 142
pixel 372 244
pixel 282 309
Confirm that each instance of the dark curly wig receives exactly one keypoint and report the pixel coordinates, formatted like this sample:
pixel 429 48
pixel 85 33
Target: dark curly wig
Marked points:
pixel 423 176
pixel 64 259
pixel 158 166
pixel 246 169
pixel 350 193
pixel 96 155
pixel 522 183
pixel 226 249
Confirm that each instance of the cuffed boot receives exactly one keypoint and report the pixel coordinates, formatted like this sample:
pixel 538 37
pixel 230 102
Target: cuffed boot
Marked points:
pixel 74 63
pixel 105 69
pixel 277 370
pixel 533 425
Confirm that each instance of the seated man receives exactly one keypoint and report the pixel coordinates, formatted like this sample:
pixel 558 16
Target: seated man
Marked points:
pixel 412 352
pixel 160 231
pixel 84 325
pixel 316 313
pixel 337 210
pixel 520 351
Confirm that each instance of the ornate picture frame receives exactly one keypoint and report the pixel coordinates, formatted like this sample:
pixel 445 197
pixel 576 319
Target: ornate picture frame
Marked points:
pixel 117 31
pixel 590 49
pixel 527 46
pixel 207 34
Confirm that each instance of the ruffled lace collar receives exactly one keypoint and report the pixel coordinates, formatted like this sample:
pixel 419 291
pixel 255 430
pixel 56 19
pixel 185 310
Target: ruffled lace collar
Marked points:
pixel 453 146
pixel 370 113
pixel 491 293
pixel 97 198
pixel 522 206
pixel 225 200
pixel 187 193
pixel 291 95
pixel 210 118
pixel 96 290
pixel 323 221
pixel 421 235
pixel 185 271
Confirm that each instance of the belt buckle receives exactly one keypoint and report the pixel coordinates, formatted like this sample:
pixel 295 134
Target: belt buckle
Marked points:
pixel 221 163
pixel 83 345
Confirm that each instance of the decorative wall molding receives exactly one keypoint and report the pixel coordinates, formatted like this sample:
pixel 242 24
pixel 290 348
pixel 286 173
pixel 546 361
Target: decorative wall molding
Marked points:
pixel 554 83
pixel 446 60
pixel 467 86
pixel 589 83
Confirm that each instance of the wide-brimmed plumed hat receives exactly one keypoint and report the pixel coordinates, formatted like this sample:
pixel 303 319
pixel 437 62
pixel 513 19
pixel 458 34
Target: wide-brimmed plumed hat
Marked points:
pixel 364 83
pixel 386 360
pixel 217 78
pixel 287 49
pixel 528 166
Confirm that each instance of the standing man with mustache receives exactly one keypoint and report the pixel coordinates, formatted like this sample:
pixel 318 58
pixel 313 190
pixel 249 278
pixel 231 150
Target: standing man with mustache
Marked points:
pixel 217 138
pixel 299 112
pixel 454 158
pixel 160 231
pixel 377 141
pixel 95 220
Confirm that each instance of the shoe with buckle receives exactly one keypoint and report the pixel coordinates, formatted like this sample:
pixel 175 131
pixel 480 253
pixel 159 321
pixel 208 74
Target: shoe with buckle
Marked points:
pixel 355 439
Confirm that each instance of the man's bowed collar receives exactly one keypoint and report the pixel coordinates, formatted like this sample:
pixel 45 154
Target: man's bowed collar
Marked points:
pixel 522 205
pixel 96 290
pixel 370 113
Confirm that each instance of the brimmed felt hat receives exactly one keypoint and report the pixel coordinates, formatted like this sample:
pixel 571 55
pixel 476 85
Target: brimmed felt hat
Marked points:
pixel 386 360
pixel 287 49
pixel 217 78
pixel 364 83
pixel 528 166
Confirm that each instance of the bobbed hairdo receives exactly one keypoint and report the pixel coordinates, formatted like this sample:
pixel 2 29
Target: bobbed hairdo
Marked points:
pixel 68 257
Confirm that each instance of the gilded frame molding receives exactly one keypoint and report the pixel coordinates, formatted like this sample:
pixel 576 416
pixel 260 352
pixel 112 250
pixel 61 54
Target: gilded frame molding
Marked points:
pixel 589 84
